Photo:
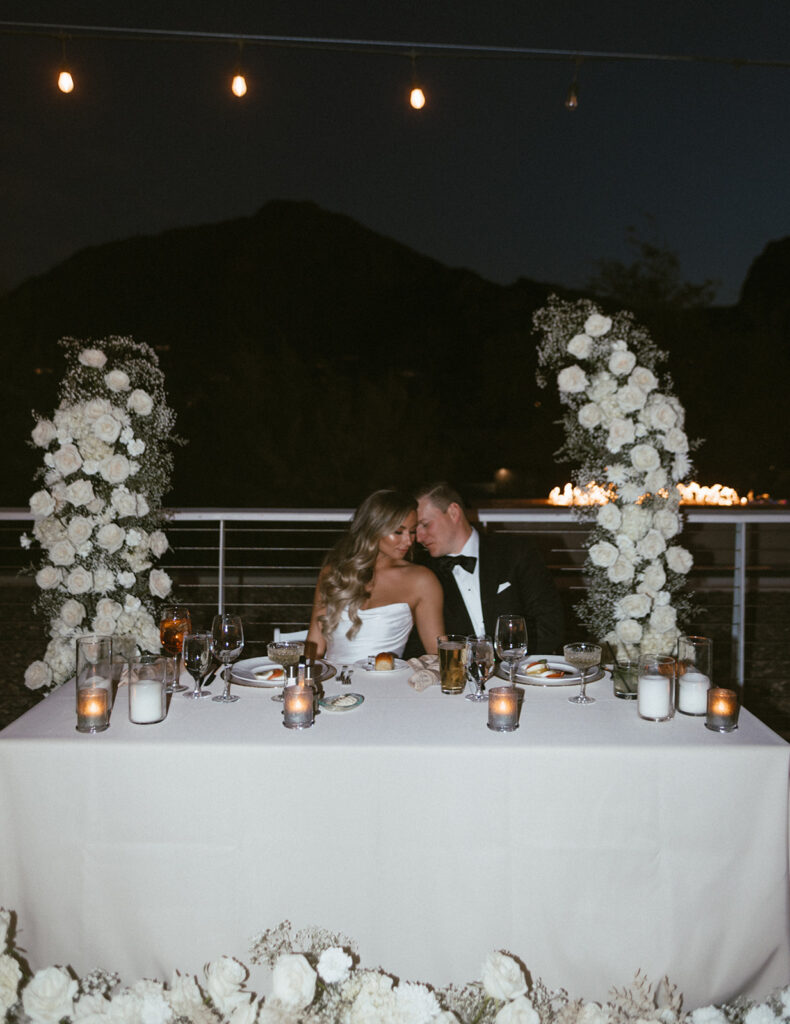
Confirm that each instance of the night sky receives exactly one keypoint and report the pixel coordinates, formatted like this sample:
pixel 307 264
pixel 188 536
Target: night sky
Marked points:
pixel 494 174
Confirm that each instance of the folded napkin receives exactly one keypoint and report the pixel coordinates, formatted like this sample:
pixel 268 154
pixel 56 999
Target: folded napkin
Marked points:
pixel 426 671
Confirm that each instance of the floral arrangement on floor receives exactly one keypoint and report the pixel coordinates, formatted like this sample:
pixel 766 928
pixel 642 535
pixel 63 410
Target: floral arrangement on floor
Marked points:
pixel 624 428
pixel 316 979
pixel 98 517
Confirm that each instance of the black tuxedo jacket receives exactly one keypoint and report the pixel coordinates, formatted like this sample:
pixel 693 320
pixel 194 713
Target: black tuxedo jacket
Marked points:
pixel 513 580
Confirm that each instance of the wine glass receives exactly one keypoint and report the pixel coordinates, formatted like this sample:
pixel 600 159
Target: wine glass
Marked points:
pixel 174 623
pixel 582 656
pixel 196 652
pixel 479 664
pixel 511 640
pixel 285 653
pixel 228 634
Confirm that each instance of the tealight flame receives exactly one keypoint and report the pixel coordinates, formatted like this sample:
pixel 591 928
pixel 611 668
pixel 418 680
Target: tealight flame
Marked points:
pixel 690 494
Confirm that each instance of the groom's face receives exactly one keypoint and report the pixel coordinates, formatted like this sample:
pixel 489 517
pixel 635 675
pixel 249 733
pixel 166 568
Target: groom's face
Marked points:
pixel 436 530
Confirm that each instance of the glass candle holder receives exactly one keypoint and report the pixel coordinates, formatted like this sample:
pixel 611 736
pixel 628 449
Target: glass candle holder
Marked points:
pixel 694 674
pixel 298 709
pixel 655 687
pixel 147 693
pixel 503 708
pixel 94 682
pixel 722 711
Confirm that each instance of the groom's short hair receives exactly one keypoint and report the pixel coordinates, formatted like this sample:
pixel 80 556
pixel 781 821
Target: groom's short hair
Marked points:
pixel 442 495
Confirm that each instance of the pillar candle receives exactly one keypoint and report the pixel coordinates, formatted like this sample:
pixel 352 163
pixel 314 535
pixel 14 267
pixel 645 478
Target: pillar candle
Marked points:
pixel 693 689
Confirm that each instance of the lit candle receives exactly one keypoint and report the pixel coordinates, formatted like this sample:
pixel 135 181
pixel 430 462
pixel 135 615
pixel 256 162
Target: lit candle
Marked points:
pixel 93 709
pixel 722 710
pixel 693 689
pixel 503 708
pixel 147 701
pixel 298 707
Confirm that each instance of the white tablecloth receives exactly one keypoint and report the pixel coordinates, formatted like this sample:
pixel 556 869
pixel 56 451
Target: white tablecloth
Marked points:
pixel 589 842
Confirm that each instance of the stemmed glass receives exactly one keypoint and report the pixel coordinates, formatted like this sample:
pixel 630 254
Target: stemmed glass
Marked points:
pixel 479 664
pixel 511 641
pixel 196 652
pixel 174 623
pixel 228 634
pixel 285 653
pixel 582 656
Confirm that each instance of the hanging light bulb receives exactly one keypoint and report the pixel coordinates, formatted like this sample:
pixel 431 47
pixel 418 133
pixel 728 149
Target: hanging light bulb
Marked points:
pixel 416 96
pixel 572 99
pixel 65 80
pixel 239 84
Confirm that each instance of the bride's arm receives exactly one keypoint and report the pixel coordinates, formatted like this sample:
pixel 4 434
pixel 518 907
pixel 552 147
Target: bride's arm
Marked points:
pixel 315 633
pixel 428 609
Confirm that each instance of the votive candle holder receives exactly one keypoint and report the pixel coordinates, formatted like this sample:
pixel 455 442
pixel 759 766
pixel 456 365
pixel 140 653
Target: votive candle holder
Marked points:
pixel 298 708
pixel 722 713
pixel 503 708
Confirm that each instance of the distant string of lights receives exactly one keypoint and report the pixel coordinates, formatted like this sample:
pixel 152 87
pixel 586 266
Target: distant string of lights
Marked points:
pixel 411 50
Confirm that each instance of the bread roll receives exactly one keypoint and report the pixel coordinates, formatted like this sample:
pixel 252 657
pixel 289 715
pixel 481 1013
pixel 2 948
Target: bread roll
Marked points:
pixel 385 662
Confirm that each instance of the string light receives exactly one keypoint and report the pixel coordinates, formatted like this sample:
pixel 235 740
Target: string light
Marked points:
pixel 65 80
pixel 416 96
pixel 572 99
pixel 239 84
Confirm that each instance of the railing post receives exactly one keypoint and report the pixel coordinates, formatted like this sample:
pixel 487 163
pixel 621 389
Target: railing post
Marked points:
pixel 739 602
pixel 221 569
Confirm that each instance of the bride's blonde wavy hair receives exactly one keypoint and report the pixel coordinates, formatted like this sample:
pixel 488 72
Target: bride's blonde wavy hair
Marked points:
pixel 348 568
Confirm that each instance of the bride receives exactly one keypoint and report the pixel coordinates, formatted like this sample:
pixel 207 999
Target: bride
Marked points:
pixel 368 596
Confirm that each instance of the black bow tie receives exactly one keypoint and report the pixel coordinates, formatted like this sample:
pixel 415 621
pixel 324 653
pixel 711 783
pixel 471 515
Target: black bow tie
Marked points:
pixel 449 562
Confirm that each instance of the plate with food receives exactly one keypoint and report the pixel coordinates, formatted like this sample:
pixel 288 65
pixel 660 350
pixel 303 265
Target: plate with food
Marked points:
pixel 546 671
pixel 267 673
pixel 383 662
pixel 342 701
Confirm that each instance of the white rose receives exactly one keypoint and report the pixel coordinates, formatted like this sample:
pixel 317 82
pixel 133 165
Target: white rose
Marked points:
pixel 142 505
pixel 38 674
pixel 115 469
pixel 107 428
pixel 603 554
pixel 135 538
pixel 79 530
pixel 224 978
pixel 666 522
pixel 597 325
pixel 590 415
pixel 136 446
pixel 630 398
pixel 643 378
pixel 104 625
pixel 662 597
pixel 621 432
pixel 293 981
pixel 80 492
pixel 126 579
pixel 49 996
pixel 159 583
pixel 107 606
pixel 626 546
pixel 636 521
pixel 67 459
pixel 622 570
pixel 103 579
pixel 48 577
pixel 663 618
pixel 651 545
pixel 117 380
pixel 572 379
pixel 502 977
pixel 110 537
pixel 659 414
pixel 519 1011
pixel 603 385
pixel 580 346
pixel 72 612
pixel 157 542
pixel 123 501
pixel 644 457
pixel 140 402
pixel 10 976
pixel 62 553
pixel 621 362
pixel 628 631
pixel 44 433
pixel 675 441
pixel 653 578
pixel 334 965
pixel 132 603
pixel 678 559
pixel 42 504
pixel 609 516
pixel 655 480
pixel 634 606
pixel 79 581
pixel 92 357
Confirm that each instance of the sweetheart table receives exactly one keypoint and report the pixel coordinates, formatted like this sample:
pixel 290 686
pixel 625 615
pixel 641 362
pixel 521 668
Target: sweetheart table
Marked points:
pixel 589 843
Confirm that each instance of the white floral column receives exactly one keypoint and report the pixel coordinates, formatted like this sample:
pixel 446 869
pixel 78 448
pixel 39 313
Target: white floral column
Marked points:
pixel 624 428
pixel 98 517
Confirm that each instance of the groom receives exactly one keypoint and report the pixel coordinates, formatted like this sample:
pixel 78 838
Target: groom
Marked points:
pixel 484 576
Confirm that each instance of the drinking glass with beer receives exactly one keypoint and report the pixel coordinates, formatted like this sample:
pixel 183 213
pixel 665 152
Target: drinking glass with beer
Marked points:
pixel 174 623
pixel 452 662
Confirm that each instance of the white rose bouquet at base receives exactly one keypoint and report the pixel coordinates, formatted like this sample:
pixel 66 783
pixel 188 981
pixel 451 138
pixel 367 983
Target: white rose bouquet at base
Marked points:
pixel 107 461
pixel 624 429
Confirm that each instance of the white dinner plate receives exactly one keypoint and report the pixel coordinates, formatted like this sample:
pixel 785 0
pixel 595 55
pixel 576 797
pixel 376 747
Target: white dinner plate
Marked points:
pixel 244 672
pixel 399 666
pixel 571 677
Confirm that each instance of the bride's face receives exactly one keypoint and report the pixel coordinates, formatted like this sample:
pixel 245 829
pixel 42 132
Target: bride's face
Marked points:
pixel 397 543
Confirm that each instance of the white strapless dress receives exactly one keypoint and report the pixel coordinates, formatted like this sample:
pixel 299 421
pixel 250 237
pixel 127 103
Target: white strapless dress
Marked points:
pixel 385 628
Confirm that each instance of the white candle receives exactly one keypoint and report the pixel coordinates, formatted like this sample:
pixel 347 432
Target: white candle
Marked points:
pixel 722 710
pixel 653 697
pixel 146 701
pixel 298 707
pixel 503 708
pixel 93 709
pixel 693 689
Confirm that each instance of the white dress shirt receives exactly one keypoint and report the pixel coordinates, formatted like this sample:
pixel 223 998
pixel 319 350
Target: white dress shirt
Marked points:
pixel 469 582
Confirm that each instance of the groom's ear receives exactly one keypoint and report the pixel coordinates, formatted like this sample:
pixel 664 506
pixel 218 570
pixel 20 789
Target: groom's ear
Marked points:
pixel 455 512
